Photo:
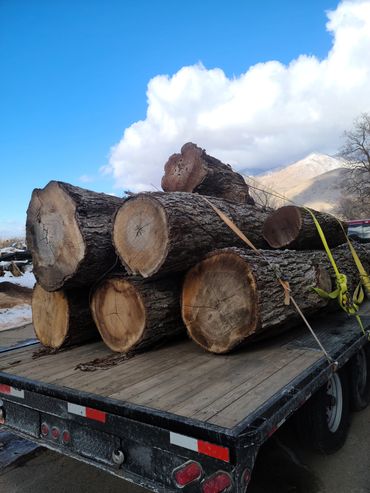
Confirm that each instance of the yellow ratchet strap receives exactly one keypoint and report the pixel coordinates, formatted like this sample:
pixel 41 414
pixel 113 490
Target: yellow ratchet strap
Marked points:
pixel 349 304
pixel 364 276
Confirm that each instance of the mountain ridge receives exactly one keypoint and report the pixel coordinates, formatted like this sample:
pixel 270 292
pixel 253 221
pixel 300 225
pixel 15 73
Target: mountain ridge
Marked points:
pixel 317 181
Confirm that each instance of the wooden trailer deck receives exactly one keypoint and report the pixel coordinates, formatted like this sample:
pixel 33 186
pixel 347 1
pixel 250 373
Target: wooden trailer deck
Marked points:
pixel 181 378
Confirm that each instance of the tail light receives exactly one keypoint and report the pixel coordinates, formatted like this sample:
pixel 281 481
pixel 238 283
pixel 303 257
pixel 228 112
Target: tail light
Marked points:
pixel 220 482
pixel 187 473
pixel 44 430
pixel 55 433
pixel 246 478
pixel 66 437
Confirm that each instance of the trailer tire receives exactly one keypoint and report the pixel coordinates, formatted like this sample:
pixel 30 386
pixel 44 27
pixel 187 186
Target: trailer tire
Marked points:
pixel 323 422
pixel 359 373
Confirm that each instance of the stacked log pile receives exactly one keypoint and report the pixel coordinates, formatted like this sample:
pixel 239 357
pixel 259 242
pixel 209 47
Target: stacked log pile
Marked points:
pixel 146 269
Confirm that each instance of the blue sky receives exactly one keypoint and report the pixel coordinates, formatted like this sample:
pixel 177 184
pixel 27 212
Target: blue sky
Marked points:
pixel 74 75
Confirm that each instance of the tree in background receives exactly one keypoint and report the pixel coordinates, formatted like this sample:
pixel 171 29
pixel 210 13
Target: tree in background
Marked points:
pixel 356 151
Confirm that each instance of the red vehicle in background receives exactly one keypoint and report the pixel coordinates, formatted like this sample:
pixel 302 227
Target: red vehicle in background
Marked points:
pixel 359 230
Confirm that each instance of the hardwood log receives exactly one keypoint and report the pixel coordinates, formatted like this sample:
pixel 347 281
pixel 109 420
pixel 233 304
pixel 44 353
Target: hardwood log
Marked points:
pixel 62 318
pixel 233 296
pixel 195 171
pixel 293 227
pixel 156 233
pixel 69 231
pixel 133 314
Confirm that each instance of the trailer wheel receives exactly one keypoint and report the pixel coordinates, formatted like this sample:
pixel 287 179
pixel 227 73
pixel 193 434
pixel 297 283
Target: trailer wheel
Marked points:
pixel 359 372
pixel 323 421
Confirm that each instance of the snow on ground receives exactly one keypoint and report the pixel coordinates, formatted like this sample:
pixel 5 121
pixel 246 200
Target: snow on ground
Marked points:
pixel 27 280
pixel 20 314
pixel 15 317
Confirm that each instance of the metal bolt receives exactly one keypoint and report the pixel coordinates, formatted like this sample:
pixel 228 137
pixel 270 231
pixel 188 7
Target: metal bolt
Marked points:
pixel 118 457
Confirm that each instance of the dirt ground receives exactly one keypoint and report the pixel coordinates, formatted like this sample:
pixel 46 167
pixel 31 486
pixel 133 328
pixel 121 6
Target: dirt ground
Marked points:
pixel 13 295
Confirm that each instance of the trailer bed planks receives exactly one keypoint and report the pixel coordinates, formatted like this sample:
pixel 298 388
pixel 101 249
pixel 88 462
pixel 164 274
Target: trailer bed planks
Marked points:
pixel 153 404
pixel 180 378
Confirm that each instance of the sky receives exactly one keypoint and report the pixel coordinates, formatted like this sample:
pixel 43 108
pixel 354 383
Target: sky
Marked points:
pixel 101 93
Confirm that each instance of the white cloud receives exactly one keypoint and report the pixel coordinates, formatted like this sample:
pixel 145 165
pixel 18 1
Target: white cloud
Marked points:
pixel 86 179
pixel 270 115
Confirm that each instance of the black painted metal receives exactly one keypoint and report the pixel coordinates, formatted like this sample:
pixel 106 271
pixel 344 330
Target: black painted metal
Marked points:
pixel 143 433
pixel 150 458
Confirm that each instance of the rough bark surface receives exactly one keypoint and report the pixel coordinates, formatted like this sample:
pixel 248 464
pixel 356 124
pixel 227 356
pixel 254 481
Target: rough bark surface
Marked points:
pixel 69 232
pixel 157 233
pixel 193 170
pixel 293 227
pixel 62 318
pixel 233 295
pixel 133 314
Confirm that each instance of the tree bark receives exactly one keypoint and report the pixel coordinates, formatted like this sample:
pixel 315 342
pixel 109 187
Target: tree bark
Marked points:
pixel 233 296
pixel 133 314
pixel 69 231
pixel 157 233
pixel 293 227
pixel 62 318
pixel 195 171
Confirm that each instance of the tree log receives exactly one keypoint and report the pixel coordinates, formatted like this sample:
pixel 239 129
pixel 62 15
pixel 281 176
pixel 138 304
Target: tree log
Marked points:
pixel 233 296
pixel 195 171
pixel 293 227
pixel 69 231
pixel 62 318
pixel 134 314
pixel 156 233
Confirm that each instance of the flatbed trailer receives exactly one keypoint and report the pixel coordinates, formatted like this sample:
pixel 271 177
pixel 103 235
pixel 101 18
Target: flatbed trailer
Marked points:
pixel 171 418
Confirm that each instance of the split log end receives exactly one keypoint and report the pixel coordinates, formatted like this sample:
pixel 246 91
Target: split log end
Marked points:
pixel 119 313
pixel 53 236
pixel 50 315
pixel 185 171
pixel 140 235
pixel 220 302
pixel 281 229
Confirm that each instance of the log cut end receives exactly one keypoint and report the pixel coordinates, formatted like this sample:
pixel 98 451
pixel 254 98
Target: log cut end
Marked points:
pixel 184 172
pixel 119 314
pixel 53 236
pixel 50 317
pixel 220 302
pixel 281 229
pixel 140 235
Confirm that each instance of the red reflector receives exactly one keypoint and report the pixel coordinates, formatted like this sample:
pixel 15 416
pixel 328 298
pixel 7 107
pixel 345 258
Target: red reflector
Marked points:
pixel 217 483
pixel 5 389
pixel 212 450
pixel 187 473
pixel 44 429
pixel 66 436
pixel 96 415
pixel 55 433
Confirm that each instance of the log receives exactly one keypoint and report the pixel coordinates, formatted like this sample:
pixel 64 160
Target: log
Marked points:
pixel 62 318
pixel 195 171
pixel 16 256
pixel 156 233
pixel 233 297
pixel 293 227
pixel 132 314
pixel 69 231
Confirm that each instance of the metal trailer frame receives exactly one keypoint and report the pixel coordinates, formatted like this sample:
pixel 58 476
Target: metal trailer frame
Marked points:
pixel 134 442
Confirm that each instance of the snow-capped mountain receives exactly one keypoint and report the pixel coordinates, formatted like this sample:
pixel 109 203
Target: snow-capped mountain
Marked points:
pixel 317 181
pixel 289 176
